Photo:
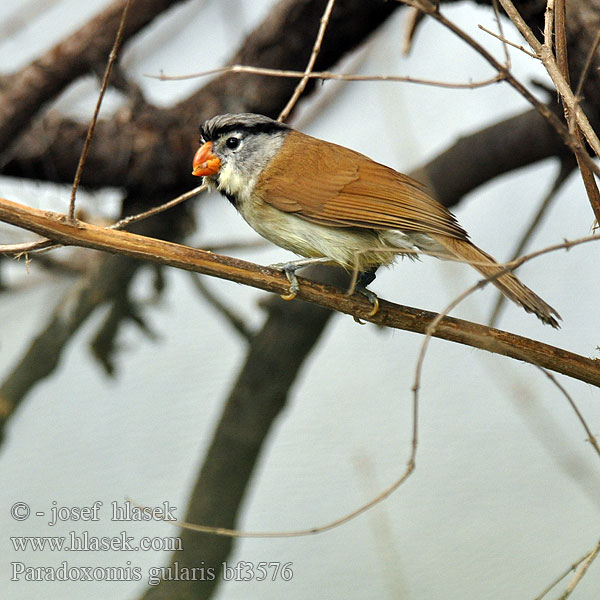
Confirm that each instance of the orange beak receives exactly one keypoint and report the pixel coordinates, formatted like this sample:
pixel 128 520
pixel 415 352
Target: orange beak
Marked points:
pixel 205 162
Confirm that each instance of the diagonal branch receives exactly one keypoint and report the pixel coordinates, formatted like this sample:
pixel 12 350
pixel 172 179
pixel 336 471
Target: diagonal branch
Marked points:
pixel 558 70
pixel 544 51
pixel 58 228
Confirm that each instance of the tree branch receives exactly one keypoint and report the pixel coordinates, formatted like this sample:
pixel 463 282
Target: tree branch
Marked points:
pixel 58 228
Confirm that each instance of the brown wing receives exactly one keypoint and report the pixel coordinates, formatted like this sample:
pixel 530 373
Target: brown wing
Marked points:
pixel 332 185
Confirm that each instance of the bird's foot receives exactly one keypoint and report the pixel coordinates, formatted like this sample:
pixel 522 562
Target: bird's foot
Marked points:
pixel 290 268
pixel 290 273
pixel 363 280
pixel 371 297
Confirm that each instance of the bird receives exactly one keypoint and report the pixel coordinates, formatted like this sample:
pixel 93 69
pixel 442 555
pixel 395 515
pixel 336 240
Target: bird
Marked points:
pixel 330 204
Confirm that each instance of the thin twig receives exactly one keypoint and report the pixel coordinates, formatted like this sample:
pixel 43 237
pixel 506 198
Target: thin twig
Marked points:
pixel 560 42
pixel 563 88
pixel 589 559
pixel 591 437
pixel 408 470
pixel 431 328
pixel 311 62
pixel 43 245
pixel 122 223
pixel 236 533
pixel 501 37
pixel 430 331
pixel 564 574
pixel 507 41
pixel 571 141
pixel 111 60
pixel 589 181
pixel 25 248
pixel 328 75
pixel 587 66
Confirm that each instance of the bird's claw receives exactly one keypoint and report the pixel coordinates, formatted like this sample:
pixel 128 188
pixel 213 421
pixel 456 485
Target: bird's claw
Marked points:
pixel 290 268
pixel 294 286
pixel 290 272
pixel 375 305
pixel 372 298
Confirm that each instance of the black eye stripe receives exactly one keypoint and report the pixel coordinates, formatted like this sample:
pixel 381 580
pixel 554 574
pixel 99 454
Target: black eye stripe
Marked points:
pixel 211 129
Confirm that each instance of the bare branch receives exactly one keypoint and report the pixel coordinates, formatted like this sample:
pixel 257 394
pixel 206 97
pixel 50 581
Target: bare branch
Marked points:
pixel 574 566
pixel 507 41
pixel 125 221
pixel 283 115
pixel 562 86
pixel 431 9
pixel 88 139
pixel 589 559
pixel 328 75
pixel 563 65
pixel 57 227
pixel 591 437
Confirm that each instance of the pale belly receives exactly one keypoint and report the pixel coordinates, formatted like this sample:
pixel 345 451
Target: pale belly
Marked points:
pixel 349 247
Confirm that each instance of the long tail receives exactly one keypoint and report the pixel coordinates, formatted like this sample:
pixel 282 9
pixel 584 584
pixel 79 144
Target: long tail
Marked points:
pixel 507 283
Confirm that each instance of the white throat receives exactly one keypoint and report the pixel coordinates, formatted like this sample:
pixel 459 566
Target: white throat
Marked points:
pixel 233 182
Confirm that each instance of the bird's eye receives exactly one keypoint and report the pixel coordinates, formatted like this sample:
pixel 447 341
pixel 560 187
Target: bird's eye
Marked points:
pixel 232 143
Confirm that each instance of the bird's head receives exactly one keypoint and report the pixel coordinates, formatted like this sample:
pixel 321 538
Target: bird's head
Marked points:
pixel 235 148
